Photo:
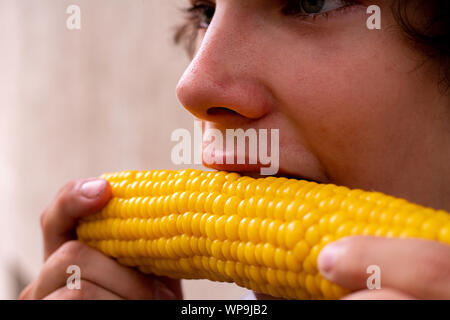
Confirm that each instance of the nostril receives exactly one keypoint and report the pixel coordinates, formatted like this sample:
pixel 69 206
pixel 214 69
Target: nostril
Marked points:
pixel 220 111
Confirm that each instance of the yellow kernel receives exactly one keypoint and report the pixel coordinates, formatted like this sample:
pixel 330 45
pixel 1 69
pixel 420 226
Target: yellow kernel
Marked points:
pixel 430 229
pixel 250 189
pixel 291 278
pixel 211 227
pixel 200 202
pixel 240 253
pixel 195 224
pixel 281 234
pixel 310 218
pixel 230 270
pixel 233 250
pixel 301 250
pixel 218 205
pixel 250 207
pixel 201 243
pixel 231 227
pixel 311 286
pixel 334 222
pixel 250 253
pixel 253 229
pixel 292 263
pixel 231 206
pixel 272 231
pixel 220 227
pixel 261 207
pixel 293 233
pixel 192 200
pixel 226 249
pixel 444 234
pixel 291 210
pixel 268 255
pixel 271 276
pixel 255 275
pixel 242 229
pixel 210 198
pixel 280 258
pixel 345 229
pixel 281 277
pixel 270 209
pixel 259 250
pixel 312 235
pixel 280 210
pixel 370 230
pixel 203 220
pixel 263 229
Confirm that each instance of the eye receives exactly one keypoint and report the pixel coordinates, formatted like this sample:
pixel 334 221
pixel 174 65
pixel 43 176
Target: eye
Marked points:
pixel 202 13
pixel 314 7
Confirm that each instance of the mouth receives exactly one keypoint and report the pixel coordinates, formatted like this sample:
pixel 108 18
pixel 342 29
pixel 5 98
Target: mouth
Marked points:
pixel 254 171
pixel 280 174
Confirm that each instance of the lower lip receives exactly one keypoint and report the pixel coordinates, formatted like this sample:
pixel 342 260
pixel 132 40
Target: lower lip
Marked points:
pixel 245 167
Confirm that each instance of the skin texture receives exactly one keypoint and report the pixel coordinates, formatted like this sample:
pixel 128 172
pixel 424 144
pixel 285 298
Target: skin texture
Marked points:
pixel 353 108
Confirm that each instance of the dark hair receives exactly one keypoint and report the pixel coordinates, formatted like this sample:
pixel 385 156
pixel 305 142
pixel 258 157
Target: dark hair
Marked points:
pixel 426 23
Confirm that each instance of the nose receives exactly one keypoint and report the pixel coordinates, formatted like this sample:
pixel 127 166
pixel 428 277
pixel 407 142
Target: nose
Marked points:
pixel 225 82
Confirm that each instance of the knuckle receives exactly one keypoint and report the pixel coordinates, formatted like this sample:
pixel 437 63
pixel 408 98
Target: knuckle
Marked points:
pixel 69 253
pixel 65 195
pixel 61 199
pixel 356 250
pixel 42 220
pixel 24 295
pixel 435 268
pixel 86 291
pixel 352 261
pixel 45 222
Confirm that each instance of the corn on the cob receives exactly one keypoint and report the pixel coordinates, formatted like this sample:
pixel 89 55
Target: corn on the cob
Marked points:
pixel 263 234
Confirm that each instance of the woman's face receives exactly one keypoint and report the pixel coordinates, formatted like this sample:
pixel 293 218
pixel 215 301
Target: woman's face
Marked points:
pixel 353 106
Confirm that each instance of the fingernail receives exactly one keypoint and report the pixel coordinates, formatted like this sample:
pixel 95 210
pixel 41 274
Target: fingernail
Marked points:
pixel 92 189
pixel 162 293
pixel 329 255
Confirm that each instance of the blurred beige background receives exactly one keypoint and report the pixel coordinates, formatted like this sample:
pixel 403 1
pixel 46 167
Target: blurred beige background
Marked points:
pixel 78 103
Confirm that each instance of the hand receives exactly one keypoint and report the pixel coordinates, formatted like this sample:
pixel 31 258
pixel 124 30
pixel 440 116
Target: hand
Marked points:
pixel 101 276
pixel 410 268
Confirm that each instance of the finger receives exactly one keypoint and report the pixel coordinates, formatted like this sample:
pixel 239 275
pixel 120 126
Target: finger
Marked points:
pixel 100 270
pixel 87 291
pixel 174 285
pixel 382 294
pixel 420 268
pixel 26 293
pixel 76 200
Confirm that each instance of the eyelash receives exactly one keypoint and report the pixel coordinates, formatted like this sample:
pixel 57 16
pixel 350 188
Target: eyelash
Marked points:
pixel 198 10
pixel 187 33
pixel 293 9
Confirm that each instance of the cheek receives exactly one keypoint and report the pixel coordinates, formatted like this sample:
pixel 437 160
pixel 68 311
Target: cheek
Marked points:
pixel 349 99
